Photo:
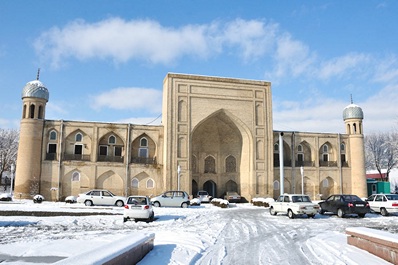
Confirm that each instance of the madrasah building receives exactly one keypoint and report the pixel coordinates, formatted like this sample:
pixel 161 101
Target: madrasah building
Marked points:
pixel 216 135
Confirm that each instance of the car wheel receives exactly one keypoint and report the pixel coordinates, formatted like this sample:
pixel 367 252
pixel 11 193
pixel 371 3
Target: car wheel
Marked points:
pixel 156 204
pixel 119 203
pixel 272 211
pixel 290 214
pixel 152 217
pixel 88 203
pixel 184 205
pixel 383 212
pixel 340 213
pixel 361 215
pixel 125 219
pixel 311 215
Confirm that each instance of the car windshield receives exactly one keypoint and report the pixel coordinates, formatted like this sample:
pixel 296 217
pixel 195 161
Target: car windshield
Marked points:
pixel 137 201
pixel 111 193
pixel 392 197
pixel 301 199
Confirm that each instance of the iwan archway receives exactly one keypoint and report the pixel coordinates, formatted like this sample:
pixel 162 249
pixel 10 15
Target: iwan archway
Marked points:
pixel 220 152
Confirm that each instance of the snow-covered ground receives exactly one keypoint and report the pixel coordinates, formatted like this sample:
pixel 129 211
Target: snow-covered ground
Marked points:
pixel 241 234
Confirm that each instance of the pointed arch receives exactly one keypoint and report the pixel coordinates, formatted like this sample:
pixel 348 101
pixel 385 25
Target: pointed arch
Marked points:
pixel 143 150
pixel 219 135
pixel 110 180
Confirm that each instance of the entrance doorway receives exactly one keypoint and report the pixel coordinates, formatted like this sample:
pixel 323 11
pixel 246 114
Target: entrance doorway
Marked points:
pixel 211 187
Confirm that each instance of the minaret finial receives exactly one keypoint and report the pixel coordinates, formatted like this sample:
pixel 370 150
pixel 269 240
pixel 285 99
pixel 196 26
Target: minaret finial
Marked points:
pixel 351 99
pixel 38 74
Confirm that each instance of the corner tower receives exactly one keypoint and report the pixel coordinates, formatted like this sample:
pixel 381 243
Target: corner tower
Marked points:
pixel 353 117
pixel 27 177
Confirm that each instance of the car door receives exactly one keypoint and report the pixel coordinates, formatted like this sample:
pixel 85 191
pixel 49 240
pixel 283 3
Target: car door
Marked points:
pixel 107 198
pixel 378 202
pixel 328 204
pixel 167 199
pixel 278 203
pixel 371 202
pixel 338 203
pixel 95 196
pixel 177 198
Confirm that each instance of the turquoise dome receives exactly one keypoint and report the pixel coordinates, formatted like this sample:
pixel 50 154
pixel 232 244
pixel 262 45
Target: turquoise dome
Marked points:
pixel 35 89
pixel 352 111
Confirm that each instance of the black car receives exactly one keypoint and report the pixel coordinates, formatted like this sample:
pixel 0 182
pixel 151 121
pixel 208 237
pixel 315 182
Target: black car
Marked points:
pixel 342 204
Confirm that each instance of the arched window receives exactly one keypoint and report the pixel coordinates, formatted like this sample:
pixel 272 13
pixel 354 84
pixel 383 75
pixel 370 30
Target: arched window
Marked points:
pixel 78 137
pixel 300 148
pixel 112 139
pixel 300 155
pixel 276 185
pixel 134 183
pixel 342 147
pixel 76 176
pixel 276 147
pixel 230 164
pixel 210 165
pixel 40 112
pixel 53 135
pixel 325 148
pixel 32 111
pixel 150 184
pixel 325 154
pixel 143 142
pixel 24 112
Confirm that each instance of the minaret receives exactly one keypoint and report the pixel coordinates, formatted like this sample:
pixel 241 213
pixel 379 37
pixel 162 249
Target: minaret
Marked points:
pixel 353 117
pixel 27 177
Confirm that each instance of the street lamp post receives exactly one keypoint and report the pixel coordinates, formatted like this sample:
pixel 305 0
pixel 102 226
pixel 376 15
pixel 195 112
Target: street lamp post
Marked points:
pixel 302 179
pixel 178 176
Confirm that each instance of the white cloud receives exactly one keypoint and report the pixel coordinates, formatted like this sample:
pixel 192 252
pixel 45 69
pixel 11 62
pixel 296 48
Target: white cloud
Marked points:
pixel 129 98
pixel 254 37
pixel 343 65
pixel 326 115
pixel 291 57
pixel 147 40
pixel 143 120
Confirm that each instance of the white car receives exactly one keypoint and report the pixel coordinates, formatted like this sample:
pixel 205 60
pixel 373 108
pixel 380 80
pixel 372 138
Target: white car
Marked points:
pixel 383 203
pixel 204 196
pixel 100 197
pixel 294 204
pixel 138 208
pixel 171 198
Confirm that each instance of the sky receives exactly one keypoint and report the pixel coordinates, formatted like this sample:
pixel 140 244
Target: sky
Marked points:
pixel 106 60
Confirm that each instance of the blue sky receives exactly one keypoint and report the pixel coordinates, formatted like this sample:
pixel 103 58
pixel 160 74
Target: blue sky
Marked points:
pixel 106 60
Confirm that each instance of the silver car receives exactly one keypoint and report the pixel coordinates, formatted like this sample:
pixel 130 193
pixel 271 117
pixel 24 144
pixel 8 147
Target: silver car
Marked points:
pixel 100 197
pixel 204 196
pixel 171 198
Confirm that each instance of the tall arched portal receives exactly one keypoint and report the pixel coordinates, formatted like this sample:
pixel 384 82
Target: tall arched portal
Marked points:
pixel 211 187
pixel 215 142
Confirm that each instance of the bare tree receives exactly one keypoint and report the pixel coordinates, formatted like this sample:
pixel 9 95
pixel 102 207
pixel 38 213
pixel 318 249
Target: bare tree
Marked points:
pixel 8 149
pixel 381 152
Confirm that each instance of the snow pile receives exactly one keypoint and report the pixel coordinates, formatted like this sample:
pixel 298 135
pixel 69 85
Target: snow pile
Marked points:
pixel 220 202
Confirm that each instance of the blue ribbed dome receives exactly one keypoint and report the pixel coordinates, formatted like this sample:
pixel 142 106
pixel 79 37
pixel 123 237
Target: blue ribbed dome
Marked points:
pixel 35 89
pixel 352 111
